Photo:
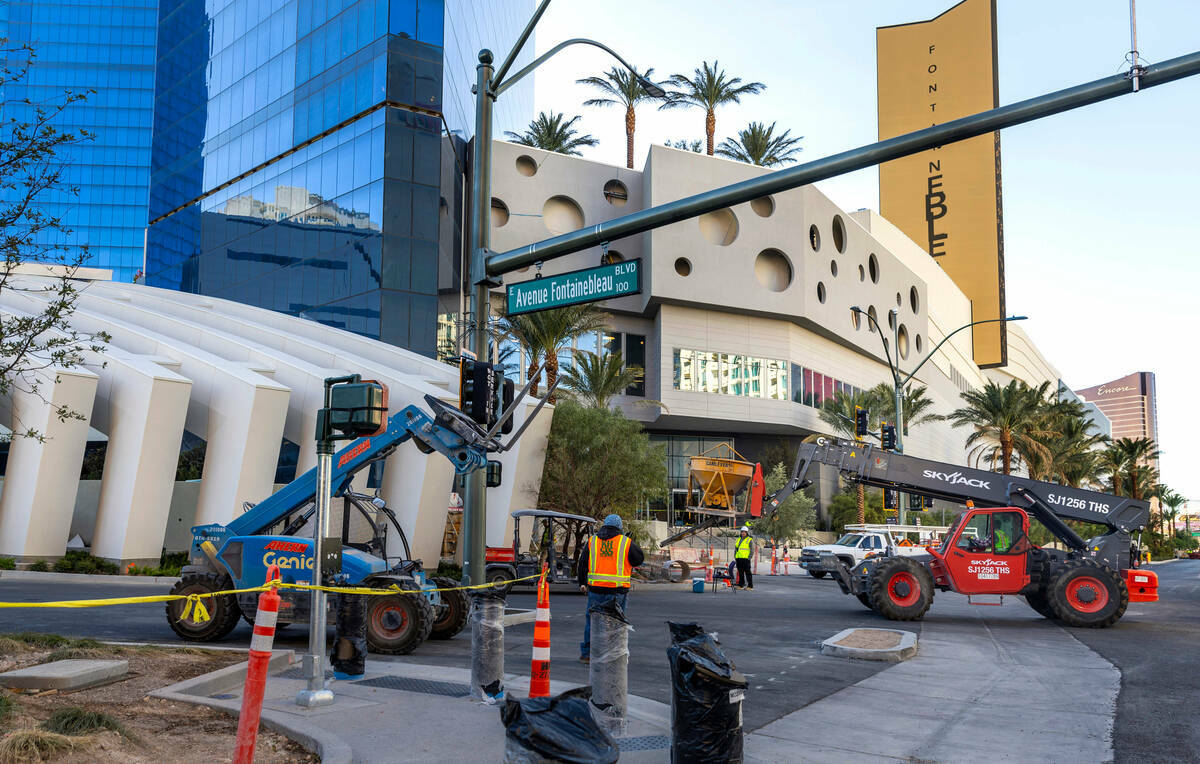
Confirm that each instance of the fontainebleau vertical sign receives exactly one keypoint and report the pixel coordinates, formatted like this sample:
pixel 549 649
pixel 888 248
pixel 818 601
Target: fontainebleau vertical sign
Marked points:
pixel 948 199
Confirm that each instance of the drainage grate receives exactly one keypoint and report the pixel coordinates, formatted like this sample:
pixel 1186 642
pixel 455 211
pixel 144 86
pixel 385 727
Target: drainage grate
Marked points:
pixel 299 673
pixel 644 743
pixel 427 686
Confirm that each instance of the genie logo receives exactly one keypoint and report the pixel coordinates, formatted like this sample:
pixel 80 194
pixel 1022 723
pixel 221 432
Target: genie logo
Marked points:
pixel 956 478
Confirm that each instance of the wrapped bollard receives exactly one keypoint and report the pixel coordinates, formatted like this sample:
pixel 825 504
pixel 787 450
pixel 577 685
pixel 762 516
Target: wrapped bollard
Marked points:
pixel 348 655
pixel 558 729
pixel 706 699
pixel 609 668
pixel 487 645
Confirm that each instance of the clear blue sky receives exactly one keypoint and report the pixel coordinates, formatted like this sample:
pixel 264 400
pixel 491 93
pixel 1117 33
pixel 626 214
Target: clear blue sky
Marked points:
pixel 1101 210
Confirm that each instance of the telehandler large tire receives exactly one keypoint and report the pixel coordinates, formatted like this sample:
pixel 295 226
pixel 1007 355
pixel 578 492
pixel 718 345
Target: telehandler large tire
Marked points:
pixel 1040 602
pixel 223 611
pixel 901 589
pixel 866 601
pixel 451 617
pixel 817 573
pixel 398 623
pixel 1085 594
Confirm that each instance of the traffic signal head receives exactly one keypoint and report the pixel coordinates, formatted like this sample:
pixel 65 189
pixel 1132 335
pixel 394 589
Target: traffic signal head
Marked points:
pixel 861 416
pixel 475 384
pixel 887 437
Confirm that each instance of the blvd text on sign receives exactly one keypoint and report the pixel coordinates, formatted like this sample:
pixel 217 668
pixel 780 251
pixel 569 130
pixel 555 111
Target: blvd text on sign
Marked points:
pixel 603 282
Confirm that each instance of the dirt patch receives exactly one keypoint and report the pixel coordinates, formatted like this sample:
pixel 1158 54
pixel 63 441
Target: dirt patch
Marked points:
pixel 870 639
pixel 155 730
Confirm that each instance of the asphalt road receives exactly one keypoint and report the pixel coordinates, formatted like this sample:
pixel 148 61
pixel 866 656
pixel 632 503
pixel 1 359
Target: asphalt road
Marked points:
pixel 770 633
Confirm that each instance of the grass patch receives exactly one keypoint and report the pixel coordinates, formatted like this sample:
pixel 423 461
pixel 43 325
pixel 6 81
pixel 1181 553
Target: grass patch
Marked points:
pixel 80 721
pixel 8 563
pixel 71 653
pixel 33 745
pixel 41 641
pixel 8 707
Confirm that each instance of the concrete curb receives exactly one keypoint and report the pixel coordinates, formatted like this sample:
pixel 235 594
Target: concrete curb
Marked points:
pixel 330 748
pixel 82 578
pixel 901 652
pixel 514 617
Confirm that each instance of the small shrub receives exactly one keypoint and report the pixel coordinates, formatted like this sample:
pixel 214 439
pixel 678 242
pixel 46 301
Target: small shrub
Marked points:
pixel 79 561
pixel 8 563
pixel 8 707
pixel 450 570
pixel 32 745
pixel 35 639
pixel 80 721
pixel 39 565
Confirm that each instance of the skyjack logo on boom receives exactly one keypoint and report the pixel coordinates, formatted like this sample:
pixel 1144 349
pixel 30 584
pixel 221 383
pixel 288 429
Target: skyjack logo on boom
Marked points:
pixel 956 478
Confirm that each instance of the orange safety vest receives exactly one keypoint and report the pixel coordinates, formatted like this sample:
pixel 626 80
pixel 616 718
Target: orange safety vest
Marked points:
pixel 608 562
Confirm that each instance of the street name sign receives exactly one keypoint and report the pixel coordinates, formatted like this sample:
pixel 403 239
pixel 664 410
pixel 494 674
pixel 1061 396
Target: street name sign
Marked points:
pixel 603 282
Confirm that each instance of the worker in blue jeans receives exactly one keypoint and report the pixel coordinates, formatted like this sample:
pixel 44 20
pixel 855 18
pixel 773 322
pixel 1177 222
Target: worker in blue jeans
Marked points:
pixel 604 570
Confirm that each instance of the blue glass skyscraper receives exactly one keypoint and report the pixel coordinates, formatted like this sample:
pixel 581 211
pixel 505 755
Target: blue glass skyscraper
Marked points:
pixel 303 160
pixel 107 48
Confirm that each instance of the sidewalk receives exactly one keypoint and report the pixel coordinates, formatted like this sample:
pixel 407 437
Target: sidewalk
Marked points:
pixel 405 712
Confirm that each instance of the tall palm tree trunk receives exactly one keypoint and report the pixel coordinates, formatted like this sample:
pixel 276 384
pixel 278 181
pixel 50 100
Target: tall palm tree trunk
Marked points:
pixel 710 128
pixel 533 367
pixel 630 124
pixel 862 504
pixel 1006 451
pixel 551 374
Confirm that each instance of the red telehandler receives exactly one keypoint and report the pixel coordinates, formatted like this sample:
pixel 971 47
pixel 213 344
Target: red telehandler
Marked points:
pixel 987 550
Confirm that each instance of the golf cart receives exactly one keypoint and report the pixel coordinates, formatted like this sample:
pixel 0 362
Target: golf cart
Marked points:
pixel 556 540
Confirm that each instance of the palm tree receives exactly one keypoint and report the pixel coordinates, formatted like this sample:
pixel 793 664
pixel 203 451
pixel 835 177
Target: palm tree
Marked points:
pixel 757 144
pixel 621 88
pixel 883 397
pixel 546 332
pixel 839 413
pixel 550 133
pixel 1173 501
pixel 707 88
pixel 1137 451
pixel 1111 462
pixel 1008 417
pixel 594 379
pixel 682 144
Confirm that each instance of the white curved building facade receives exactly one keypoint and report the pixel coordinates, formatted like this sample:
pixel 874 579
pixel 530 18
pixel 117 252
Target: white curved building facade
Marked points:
pixel 241 378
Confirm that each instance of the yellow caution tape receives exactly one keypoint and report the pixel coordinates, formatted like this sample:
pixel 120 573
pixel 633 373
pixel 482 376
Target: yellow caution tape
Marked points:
pixel 195 605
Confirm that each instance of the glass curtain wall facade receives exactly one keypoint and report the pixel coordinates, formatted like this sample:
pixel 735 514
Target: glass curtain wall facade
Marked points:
pixel 299 162
pixel 107 48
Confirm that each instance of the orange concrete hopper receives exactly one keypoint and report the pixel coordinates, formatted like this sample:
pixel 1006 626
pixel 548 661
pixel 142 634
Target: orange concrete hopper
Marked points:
pixel 719 478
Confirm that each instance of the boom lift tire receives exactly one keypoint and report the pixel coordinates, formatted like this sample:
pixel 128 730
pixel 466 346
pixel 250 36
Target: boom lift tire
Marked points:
pixel 817 573
pixel 398 623
pixel 451 617
pixel 223 611
pixel 1040 602
pixel 901 589
pixel 1087 595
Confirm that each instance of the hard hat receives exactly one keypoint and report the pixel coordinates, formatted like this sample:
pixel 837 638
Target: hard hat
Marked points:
pixel 746 528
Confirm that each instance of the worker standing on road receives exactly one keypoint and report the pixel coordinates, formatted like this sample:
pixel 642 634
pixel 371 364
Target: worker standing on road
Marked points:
pixel 605 572
pixel 742 552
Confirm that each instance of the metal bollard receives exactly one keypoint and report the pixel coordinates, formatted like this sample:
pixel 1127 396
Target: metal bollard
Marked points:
pixel 609 668
pixel 487 645
pixel 348 655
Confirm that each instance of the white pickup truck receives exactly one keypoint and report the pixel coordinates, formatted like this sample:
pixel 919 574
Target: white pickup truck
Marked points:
pixel 863 541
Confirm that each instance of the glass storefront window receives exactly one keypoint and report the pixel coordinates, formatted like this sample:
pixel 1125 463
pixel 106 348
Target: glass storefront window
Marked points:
pixel 708 372
pixel 754 374
pixel 685 370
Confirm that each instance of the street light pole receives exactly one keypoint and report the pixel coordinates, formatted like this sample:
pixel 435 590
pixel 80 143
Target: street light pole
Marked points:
pixel 899 383
pixel 490 83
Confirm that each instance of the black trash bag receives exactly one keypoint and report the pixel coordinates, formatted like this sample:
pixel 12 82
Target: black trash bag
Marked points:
pixel 556 729
pixel 706 698
pixel 611 609
pixel 348 655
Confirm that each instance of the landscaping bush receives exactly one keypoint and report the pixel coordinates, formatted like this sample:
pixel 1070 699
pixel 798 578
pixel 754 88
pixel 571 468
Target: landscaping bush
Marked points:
pixel 39 565
pixel 79 561
pixel 170 564
pixel 79 721
pixel 8 563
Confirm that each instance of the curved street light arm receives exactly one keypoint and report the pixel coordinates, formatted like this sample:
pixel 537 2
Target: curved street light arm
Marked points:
pixel 913 373
pixel 886 353
pixel 516 50
pixel 506 84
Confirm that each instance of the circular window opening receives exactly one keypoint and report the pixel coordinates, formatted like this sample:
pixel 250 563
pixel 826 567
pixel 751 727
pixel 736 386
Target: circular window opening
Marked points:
pixel 855 319
pixel 562 214
pixel 874 319
pixel 615 193
pixel 891 319
pixel 902 341
pixel 873 268
pixel 612 256
pixel 720 227
pixel 839 234
pixel 763 206
pixel 918 339
pixel 814 238
pixel 833 267
pixel 862 274
pixel 499 213
pixel 773 270
pixel 821 292
pixel 914 300
pixel 683 267
pixel 899 301
pixel 526 166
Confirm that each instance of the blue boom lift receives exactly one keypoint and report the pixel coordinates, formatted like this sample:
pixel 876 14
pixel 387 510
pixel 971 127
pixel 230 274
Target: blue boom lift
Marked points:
pixel 234 556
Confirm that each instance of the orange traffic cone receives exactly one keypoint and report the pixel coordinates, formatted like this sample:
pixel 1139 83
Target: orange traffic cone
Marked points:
pixel 539 674
pixel 774 562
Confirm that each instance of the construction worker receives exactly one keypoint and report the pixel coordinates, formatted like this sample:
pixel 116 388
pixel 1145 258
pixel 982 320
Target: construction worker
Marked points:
pixel 742 551
pixel 604 569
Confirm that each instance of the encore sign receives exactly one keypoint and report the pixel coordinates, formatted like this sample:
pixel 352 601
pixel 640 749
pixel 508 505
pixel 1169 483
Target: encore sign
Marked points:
pixel 603 282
